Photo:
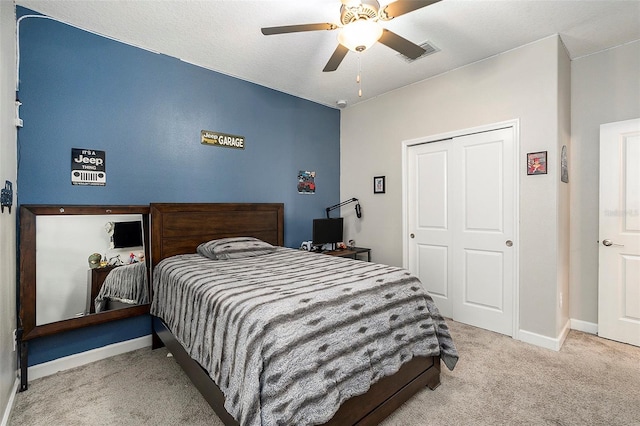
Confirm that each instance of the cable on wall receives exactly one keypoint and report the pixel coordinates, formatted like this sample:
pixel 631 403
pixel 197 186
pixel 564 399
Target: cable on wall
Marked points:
pixel 18 43
pixel 62 22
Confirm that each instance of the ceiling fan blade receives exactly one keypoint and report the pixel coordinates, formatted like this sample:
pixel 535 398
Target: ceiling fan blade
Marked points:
pixel 400 7
pixel 336 58
pixel 298 28
pixel 401 44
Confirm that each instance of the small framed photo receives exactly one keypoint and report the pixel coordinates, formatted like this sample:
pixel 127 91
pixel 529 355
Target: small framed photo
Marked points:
pixel 537 163
pixel 378 185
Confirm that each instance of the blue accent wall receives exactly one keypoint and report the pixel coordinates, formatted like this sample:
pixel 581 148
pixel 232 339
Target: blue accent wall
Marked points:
pixel 146 110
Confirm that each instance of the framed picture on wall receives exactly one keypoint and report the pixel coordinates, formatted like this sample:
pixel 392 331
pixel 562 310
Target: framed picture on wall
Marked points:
pixel 537 163
pixel 378 185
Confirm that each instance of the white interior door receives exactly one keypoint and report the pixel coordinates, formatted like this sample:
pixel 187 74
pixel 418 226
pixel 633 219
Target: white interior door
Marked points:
pixel 429 220
pixel 460 216
pixel 619 235
pixel 483 237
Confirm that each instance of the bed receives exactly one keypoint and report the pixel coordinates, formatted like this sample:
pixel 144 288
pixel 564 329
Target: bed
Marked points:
pixel 178 230
pixel 124 286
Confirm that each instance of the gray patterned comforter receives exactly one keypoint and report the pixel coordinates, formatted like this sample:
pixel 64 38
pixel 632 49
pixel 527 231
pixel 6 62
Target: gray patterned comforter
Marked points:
pixel 127 284
pixel 290 335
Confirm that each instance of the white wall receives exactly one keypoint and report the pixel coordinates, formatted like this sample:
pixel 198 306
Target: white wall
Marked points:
pixel 605 87
pixel 523 84
pixel 7 221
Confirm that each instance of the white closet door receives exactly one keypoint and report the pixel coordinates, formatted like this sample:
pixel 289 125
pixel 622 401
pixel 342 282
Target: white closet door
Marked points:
pixel 429 220
pixel 483 235
pixel 460 219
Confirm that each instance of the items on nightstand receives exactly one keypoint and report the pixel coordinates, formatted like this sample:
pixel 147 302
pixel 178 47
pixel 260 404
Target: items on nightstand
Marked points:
pixel 95 260
pixel 115 261
pixel 327 232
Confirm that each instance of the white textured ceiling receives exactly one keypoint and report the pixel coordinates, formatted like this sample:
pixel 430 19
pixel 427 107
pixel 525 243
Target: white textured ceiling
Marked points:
pixel 224 36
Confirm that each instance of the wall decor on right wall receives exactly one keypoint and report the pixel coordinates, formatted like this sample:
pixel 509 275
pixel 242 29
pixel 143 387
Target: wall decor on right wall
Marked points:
pixel 564 165
pixel 378 185
pixel 537 163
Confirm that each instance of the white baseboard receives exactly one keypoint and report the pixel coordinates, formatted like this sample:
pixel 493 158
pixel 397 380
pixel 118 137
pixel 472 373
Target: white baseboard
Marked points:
pixel 76 360
pixel 9 407
pixel 564 333
pixel 544 341
pixel 587 327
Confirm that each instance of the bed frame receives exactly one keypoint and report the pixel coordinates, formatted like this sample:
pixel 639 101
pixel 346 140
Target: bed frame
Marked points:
pixel 178 228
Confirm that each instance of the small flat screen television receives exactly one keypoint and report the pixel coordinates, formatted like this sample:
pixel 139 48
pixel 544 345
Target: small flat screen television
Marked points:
pixel 327 231
pixel 127 234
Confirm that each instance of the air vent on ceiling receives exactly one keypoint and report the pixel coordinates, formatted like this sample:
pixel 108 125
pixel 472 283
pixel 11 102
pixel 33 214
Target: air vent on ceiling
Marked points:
pixel 430 49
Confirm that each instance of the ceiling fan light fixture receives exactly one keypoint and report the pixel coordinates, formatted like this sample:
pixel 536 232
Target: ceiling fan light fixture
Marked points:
pixel 360 35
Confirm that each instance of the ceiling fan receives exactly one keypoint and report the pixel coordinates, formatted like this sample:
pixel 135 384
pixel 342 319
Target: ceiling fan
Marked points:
pixel 360 28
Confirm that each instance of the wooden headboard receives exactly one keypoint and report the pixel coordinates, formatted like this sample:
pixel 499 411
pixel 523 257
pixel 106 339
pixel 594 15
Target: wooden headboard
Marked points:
pixel 178 228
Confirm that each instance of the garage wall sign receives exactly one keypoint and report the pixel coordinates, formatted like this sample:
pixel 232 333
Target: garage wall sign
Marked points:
pixel 209 137
pixel 88 167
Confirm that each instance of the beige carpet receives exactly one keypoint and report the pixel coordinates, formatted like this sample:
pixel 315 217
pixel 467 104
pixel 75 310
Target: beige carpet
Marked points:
pixel 498 381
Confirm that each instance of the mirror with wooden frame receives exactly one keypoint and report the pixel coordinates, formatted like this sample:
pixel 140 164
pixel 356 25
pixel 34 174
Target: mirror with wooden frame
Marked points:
pixel 66 253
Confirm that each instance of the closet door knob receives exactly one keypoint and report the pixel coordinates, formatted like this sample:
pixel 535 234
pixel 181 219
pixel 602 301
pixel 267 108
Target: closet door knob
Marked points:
pixel 412 235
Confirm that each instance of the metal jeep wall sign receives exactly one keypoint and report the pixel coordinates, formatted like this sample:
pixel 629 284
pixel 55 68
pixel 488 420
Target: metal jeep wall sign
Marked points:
pixel 222 139
pixel 88 167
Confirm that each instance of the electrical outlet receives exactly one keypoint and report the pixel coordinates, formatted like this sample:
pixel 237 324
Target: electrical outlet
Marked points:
pixel 560 301
pixel 15 339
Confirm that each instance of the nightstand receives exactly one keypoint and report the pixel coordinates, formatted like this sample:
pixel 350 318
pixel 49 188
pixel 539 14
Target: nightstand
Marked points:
pixel 97 277
pixel 352 252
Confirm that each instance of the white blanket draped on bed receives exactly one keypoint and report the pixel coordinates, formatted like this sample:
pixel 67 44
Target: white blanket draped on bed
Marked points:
pixel 291 335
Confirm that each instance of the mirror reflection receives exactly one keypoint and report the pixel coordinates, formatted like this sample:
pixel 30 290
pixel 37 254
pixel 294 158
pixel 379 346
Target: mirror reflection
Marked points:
pixel 87 264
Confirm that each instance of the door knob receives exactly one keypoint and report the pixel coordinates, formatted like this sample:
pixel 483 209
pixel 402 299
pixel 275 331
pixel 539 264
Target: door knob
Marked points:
pixel 412 235
pixel 508 243
pixel 610 243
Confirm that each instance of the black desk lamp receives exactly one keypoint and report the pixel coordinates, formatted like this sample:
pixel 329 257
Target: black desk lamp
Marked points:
pixel 344 203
